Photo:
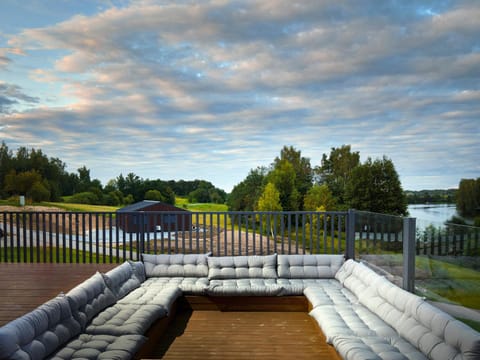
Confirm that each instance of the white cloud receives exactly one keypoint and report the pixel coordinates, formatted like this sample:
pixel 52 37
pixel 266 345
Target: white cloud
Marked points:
pixel 169 89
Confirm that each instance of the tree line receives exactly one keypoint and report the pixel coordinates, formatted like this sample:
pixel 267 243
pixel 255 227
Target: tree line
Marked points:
pixel 339 182
pixel 32 173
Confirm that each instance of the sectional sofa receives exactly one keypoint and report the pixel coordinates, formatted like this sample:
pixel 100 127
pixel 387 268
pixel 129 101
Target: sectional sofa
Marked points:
pixel 362 314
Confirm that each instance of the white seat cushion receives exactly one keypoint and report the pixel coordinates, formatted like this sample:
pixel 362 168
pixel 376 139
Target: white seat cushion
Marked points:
pixel 152 295
pixel 329 295
pixel 101 347
pixel 350 320
pixel 122 319
pixel 188 285
pixel 376 348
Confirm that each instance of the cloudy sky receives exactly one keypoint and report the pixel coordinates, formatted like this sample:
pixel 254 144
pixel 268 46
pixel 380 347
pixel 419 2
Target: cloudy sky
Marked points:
pixel 211 89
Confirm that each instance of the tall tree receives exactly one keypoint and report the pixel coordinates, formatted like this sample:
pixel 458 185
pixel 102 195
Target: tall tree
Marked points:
pixel 336 169
pixel 375 186
pixel 269 201
pixel 283 176
pixel 468 197
pixel 301 166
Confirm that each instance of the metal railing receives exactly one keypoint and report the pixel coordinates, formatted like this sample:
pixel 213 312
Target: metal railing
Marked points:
pixel 449 240
pixel 105 237
pixel 112 237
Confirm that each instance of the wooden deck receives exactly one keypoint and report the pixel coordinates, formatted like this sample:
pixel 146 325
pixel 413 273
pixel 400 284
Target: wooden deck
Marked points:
pixel 203 328
pixel 23 287
pixel 242 335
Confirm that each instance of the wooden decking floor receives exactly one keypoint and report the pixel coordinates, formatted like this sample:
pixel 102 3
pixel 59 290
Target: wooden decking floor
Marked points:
pixel 243 335
pixel 23 287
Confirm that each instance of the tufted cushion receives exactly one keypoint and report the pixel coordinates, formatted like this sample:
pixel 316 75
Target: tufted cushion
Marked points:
pixel 297 286
pixel 244 287
pixel 242 267
pixel 356 277
pixel 309 266
pixel 101 347
pixel 40 332
pixel 122 319
pixel 176 265
pixel 376 348
pixel 351 320
pixel 329 295
pixel 153 295
pixel 125 278
pixel 89 298
pixel 188 285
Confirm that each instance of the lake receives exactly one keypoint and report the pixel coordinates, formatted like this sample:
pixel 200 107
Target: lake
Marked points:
pixel 435 214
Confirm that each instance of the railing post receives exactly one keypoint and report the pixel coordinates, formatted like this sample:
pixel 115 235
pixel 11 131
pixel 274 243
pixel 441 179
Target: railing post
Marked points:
pixel 409 228
pixel 350 251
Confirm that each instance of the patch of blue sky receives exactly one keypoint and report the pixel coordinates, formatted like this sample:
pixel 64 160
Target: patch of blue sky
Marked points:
pixel 425 11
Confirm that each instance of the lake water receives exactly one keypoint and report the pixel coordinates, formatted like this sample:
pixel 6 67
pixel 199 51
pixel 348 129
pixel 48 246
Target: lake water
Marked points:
pixel 435 214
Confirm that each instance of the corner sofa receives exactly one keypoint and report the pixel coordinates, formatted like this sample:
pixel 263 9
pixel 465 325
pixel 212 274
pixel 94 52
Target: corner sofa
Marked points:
pixel 361 313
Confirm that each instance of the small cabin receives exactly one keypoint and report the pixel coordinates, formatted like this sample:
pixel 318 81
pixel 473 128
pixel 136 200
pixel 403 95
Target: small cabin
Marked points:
pixel 153 216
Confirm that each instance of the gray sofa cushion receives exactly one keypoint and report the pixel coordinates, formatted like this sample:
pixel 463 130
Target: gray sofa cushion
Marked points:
pixel 176 265
pixel 188 285
pixel 376 348
pixel 329 295
pixel 153 295
pixel 309 266
pixel 244 287
pixel 89 298
pixel 40 332
pixel 101 347
pixel 356 277
pixel 122 319
pixel 297 286
pixel 242 267
pixel 350 320
pixel 125 278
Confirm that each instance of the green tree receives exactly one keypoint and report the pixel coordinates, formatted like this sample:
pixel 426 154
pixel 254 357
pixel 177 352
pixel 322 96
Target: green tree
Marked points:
pixel 39 192
pixel 301 166
pixel 336 169
pixel 154 195
pixel 244 196
pixel 21 183
pixel 319 197
pixel 375 186
pixel 468 197
pixel 283 176
pixel 269 201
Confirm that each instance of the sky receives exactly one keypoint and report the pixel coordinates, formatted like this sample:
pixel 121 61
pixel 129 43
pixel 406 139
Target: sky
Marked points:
pixel 212 89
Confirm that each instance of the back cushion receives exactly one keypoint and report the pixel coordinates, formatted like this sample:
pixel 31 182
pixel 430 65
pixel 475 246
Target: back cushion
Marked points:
pixel 176 265
pixel 39 333
pixel 309 266
pixel 356 277
pixel 242 267
pixel 125 278
pixel 89 298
